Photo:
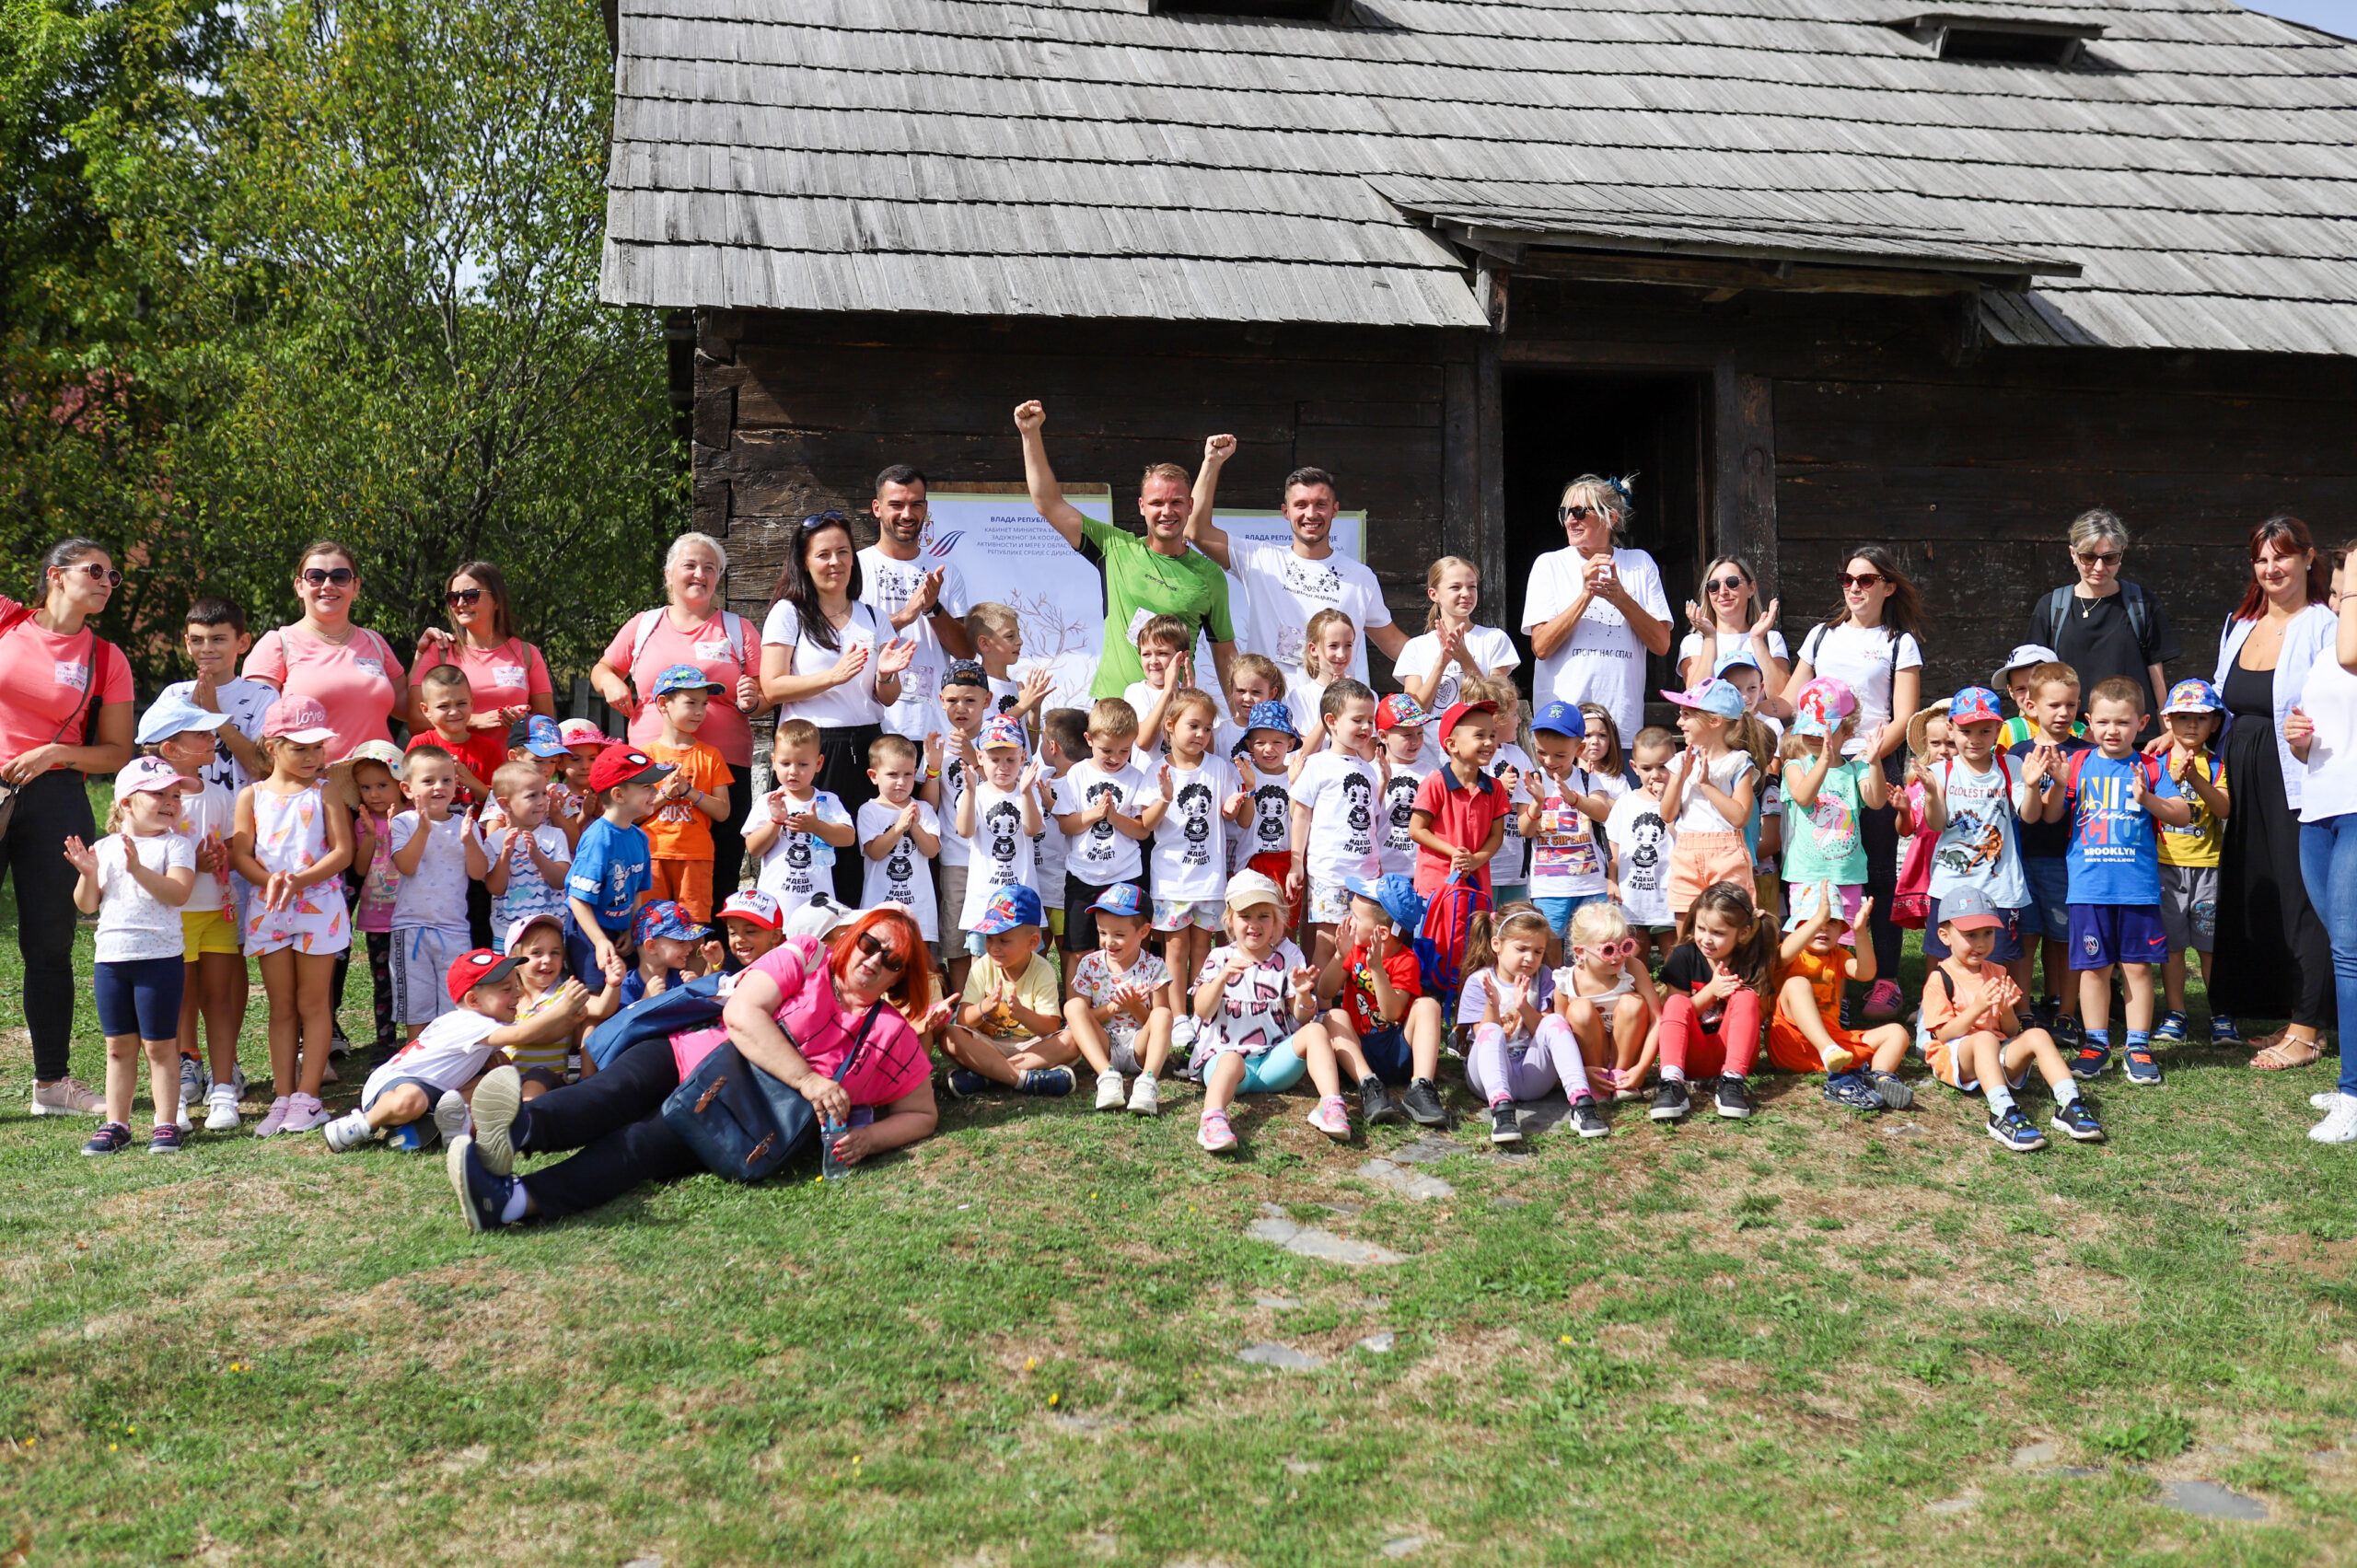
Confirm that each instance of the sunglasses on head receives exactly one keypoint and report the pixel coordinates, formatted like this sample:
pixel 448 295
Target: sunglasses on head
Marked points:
pixel 1624 948
pixel 1575 513
pixel 1859 579
pixel 464 595
pixel 2098 557
pixel 96 573
pixel 891 962
pixel 816 519
pixel 1725 584
pixel 320 577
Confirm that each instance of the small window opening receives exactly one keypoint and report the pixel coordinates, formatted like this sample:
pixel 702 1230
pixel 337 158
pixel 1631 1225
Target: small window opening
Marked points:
pixel 1263 10
pixel 2013 40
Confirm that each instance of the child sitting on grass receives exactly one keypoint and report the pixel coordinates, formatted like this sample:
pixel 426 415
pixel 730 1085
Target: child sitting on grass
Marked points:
pixel 1805 1035
pixel 1120 1012
pixel 1715 980
pixel 1008 1032
pixel 1606 998
pixel 1973 1036
pixel 1386 1030
pixel 1522 1046
pixel 537 943
pixel 435 1073
pixel 1255 1002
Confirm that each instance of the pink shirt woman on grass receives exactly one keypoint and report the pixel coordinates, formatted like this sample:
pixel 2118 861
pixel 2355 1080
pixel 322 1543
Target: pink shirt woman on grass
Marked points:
pixel 505 674
pixel 54 671
pixel 351 670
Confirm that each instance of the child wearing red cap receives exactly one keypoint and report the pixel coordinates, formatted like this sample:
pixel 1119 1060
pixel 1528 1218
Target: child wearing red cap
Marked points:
pixel 1460 819
pixel 613 870
pixel 1400 726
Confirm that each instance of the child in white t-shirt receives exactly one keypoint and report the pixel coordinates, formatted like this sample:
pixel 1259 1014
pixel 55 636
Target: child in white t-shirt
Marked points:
pixel 898 836
pixel 185 736
pixel 1642 843
pixel 797 827
pixel 1102 805
pixel 1562 818
pixel 1336 792
pixel 998 815
pixel 1161 654
pixel 437 852
pixel 1202 800
pixel 1400 726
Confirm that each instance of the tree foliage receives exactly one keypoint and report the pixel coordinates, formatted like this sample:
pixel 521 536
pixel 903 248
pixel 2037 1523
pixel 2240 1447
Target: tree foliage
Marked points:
pixel 344 284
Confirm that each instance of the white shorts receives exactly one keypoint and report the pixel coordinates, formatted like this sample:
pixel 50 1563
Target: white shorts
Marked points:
pixel 1178 914
pixel 421 966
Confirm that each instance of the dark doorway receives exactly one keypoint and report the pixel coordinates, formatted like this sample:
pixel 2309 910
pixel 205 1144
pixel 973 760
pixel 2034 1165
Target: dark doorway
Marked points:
pixel 1563 424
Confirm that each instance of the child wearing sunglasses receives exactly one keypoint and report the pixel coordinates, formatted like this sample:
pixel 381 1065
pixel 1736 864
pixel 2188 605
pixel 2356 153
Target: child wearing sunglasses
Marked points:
pixel 1606 998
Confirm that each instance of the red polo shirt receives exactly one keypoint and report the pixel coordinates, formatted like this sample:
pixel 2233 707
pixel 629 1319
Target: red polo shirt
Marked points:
pixel 1460 817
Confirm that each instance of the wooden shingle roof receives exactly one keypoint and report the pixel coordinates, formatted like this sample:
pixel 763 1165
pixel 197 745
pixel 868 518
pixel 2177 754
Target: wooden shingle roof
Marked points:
pixel 2197 166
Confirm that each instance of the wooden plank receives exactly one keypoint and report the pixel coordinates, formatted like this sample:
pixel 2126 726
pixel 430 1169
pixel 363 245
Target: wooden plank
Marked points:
pixel 1461 464
pixel 1491 553
pixel 1743 470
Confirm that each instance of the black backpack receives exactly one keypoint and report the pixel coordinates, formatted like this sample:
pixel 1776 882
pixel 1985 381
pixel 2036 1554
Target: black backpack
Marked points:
pixel 2134 600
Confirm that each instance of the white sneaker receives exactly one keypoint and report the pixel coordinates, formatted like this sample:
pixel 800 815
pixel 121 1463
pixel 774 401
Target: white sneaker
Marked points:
pixel 222 1115
pixel 1182 1036
pixel 2339 1126
pixel 348 1132
pixel 450 1115
pixel 1108 1090
pixel 1145 1098
pixel 67 1096
pixel 2323 1101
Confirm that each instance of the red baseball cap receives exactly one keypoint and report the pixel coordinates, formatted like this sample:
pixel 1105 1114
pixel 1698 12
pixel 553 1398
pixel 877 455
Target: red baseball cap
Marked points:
pixel 621 763
pixel 753 905
pixel 1399 711
pixel 1459 712
pixel 479 966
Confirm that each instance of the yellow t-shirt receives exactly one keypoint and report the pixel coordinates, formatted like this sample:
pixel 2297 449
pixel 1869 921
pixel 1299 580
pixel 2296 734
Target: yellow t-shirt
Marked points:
pixel 2199 842
pixel 1035 989
pixel 551 1053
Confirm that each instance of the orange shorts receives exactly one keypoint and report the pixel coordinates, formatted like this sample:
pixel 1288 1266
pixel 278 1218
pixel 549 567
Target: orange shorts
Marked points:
pixel 1699 860
pixel 689 882
pixel 1796 1052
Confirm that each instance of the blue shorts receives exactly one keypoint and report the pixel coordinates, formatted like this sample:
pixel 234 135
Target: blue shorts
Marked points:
pixel 140 996
pixel 2105 935
pixel 2048 914
pixel 1559 911
pixel 433 1092
pixel 1387 1053
pixel 2009 935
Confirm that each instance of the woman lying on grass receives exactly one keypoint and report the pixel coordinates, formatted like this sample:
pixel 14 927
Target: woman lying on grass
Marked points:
pixel 868 991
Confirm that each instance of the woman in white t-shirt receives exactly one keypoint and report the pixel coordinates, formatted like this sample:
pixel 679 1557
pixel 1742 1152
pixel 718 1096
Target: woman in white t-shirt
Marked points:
pixel 2322 731
pixel 1433 668
pixel 1595 610
pixel 1727 618
pixel 1872 646
pixel 825 658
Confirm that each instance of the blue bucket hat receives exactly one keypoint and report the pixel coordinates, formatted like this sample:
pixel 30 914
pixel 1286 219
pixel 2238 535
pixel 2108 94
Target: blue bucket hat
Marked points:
pixel 1397 893
pixel 684 678
pixel 175 715
pixel 1273 715
pixel 1009 908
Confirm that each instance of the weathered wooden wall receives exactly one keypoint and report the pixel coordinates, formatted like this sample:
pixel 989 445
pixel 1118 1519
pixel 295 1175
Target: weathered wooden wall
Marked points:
pixel 1835 419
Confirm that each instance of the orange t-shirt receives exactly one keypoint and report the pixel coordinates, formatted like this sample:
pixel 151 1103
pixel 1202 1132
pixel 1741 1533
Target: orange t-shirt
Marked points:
pixel 678 830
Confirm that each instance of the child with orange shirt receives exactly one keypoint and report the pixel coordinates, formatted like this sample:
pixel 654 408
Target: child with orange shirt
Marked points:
pixel 678 834
pixel 1805 1035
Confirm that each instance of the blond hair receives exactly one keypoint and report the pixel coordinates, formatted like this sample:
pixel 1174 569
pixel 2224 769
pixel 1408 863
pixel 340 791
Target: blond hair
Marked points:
pixel 1189 697
pixel 998 620
pixel 1432 575
pixel 1112 719
pixel 1601 922
pixel 509 777
pixel 794 733
pixel 1598 493
pixel 1310 666
pixel 1261 665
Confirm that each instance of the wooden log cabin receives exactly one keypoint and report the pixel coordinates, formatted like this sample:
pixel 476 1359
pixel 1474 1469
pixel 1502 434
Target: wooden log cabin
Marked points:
pixel 1817 270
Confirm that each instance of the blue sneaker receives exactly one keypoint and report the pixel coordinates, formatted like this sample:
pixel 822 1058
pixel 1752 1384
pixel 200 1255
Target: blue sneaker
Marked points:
pixel 1053 1082
pixel 112 1138
pixel 2224 1032
pixel 2172 1029
pixel 2079 1122
pixel 1852 1089
pixel 2066 1030
pixel 2141 1070
pixel 2091 1062
pixel 964 1083
pixel 2012 1130
pixel 483 1197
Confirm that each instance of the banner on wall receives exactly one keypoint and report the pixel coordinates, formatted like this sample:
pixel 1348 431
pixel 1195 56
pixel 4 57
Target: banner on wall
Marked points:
pixel 1007 551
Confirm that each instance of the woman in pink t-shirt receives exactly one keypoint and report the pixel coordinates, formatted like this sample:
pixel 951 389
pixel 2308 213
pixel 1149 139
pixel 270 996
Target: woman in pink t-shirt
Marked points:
pixel 53 670
pixel 505 674
pixel 865 994
pixel 351 670
pixel 694 628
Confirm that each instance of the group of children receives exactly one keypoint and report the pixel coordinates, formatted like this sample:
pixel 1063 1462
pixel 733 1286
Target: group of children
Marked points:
pixel 1238 887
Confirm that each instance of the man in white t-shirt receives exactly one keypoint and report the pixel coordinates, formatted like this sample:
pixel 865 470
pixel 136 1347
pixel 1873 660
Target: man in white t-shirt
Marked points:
pixel 1593 612
pixel 1283 587
pixel 925 602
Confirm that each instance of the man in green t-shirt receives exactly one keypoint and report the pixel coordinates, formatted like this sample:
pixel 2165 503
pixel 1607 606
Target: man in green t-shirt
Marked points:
pixel 1159 575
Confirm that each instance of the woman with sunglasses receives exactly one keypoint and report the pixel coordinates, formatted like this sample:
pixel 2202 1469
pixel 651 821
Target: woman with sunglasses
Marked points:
pixel 64 714
pixel 326 654
pixel 2273 956
pixel 1594 609
pixel 830 659
pixel 1729 620
pixel 2102 626
pixel 843 1023
pixel 506 676
pixel 1872 645
pixel 692 627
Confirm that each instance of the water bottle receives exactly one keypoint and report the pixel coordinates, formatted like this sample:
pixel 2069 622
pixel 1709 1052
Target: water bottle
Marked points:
pixel 829 1167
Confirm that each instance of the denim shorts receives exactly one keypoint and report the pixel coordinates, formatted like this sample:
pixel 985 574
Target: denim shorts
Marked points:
pixel 433 1092
pixel 1559 911
pixel 2048 914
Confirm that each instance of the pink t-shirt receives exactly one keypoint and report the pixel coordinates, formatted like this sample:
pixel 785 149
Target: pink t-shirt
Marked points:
pixel 722 649
pixel 507 676
pixel 892 1060
pixel 44 680
pixel 359 682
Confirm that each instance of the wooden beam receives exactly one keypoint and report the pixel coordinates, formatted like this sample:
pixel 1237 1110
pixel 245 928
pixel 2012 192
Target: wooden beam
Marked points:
pixel 1491 556
pixel 1460 529
pixel 1743 469
pixel 1785 276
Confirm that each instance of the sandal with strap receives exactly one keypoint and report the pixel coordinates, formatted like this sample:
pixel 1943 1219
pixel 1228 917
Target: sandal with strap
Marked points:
pixel 2284 1052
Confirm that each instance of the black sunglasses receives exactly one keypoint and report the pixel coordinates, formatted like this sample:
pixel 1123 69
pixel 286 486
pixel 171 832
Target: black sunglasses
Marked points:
pixel 465 596
pixel 338 576
pixel 818 519
pixel 891 961
pixel 97 573
pixel 1724 585
pixel 1575 513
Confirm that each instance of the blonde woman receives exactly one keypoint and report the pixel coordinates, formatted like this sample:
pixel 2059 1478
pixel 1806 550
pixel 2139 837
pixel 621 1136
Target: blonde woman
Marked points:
pixel 1595 608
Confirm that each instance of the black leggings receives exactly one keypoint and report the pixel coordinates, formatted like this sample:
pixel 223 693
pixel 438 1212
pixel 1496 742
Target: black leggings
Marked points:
pixel 1880 831
pixel 48 809
pixel 728 837
pixel 615 1118
pixel 842 771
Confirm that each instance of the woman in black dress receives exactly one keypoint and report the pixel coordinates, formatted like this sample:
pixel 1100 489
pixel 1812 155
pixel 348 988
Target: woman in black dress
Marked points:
pixel 2273 959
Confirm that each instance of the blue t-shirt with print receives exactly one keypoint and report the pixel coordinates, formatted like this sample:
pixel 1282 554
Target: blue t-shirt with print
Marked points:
pixel 2114 856
pixel 611 868
pixel 2049 841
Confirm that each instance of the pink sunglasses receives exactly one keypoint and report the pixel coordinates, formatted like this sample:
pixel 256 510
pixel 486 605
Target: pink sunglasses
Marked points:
pixel 1624 948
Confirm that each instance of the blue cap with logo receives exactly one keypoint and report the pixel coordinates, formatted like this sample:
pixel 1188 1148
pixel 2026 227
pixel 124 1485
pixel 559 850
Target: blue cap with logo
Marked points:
pixel 1009 908
pixel 536 734
pixel 2193 696
pixel 1121 897
pixel 1560 718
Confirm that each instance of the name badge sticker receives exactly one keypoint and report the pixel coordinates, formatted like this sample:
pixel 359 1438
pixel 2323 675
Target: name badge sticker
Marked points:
pixel 70 672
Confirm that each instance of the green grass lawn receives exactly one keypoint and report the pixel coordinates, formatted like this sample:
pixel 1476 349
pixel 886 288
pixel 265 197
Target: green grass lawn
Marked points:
pixel 1779 1342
